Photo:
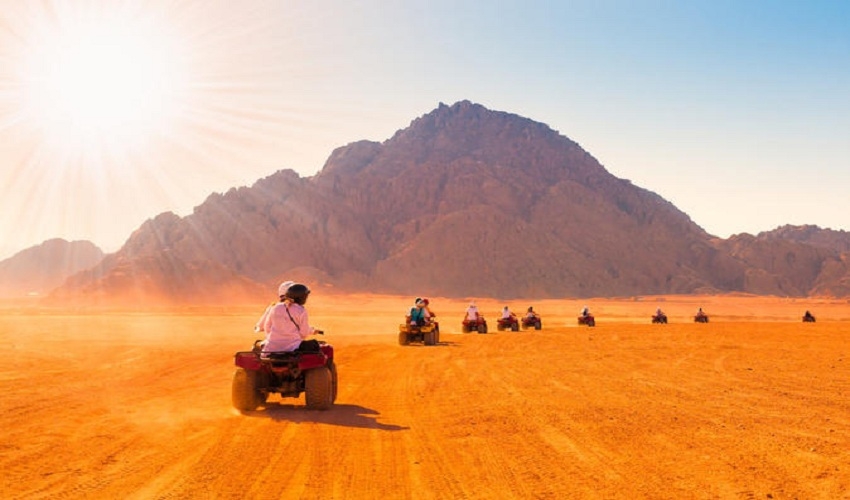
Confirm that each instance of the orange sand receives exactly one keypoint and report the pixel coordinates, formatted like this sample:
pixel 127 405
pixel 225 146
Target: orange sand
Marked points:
pixel 754 404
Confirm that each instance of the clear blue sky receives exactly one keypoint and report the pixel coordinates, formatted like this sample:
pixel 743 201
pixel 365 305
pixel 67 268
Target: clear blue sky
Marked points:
pixel 738 112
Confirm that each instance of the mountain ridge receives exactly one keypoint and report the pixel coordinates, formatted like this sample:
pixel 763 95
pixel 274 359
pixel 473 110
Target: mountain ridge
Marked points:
pixel 463 202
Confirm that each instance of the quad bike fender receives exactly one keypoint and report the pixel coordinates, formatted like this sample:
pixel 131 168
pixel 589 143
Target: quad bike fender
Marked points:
pixel 248 360
pixel 310 360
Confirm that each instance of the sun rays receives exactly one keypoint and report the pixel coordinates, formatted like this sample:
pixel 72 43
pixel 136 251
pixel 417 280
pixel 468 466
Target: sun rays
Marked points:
pixel 112 110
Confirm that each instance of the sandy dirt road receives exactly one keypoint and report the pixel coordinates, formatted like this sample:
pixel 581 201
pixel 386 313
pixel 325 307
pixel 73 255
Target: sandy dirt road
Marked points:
pixel 137 405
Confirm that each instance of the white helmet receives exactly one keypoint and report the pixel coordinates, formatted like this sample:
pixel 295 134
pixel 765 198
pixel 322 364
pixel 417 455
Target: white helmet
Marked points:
pixel 281 290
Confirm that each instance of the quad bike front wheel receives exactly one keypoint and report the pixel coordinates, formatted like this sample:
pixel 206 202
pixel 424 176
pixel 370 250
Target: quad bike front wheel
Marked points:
pixel 246 394
pixel 318 386
pixel 403 339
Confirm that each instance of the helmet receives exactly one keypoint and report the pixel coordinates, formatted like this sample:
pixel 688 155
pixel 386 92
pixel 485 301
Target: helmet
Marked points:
pixel 298 293
pixel 530 308
pixel 281 290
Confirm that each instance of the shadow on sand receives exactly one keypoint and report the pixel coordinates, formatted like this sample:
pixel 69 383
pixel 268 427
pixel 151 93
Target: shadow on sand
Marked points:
pixel 440 343
pixel 340 414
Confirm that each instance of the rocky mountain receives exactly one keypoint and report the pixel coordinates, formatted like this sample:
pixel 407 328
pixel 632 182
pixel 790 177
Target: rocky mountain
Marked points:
pixel 838 241
pixel 39 269
pixel 792 261
pixel 465 201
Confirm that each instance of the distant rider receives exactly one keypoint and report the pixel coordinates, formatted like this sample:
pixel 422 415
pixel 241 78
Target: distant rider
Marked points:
pixel 531 314
pixel 429 314
pixel 418 313
pixel 507 314
pixel 472 312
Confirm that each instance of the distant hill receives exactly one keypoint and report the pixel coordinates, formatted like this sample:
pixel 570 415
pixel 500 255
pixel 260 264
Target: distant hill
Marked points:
pixel 465 201
pixel 39 269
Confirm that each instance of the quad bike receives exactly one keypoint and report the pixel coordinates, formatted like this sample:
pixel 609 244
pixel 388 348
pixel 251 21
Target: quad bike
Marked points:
pixel 659 319
pixel 428 334
pixel 588 320
pixel 808 318
pixel 701 318
pixel 478 325
pixel 259 374
pixel 531 322
pixel 511 324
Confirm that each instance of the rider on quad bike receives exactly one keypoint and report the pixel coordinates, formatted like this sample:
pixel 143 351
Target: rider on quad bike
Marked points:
pixel 701 316
pixel 531 319
pixel 419 325
pixel 473 320
pixel 285 362
pixel 508 321
pixel 585 318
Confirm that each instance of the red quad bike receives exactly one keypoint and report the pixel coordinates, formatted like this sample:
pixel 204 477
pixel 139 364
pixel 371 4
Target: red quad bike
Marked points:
pixel 479 325
pixel 701 318
pixel 511 324
pixel 531 322
pixel 428 334
pixel 588 320
pixel 286 373
pixel 659 319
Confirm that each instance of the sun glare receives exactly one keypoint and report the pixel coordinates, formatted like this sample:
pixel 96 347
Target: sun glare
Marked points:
pixel 101 81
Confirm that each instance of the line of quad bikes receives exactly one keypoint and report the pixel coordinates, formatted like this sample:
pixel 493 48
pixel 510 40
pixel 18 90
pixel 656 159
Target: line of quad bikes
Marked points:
pixel 258 375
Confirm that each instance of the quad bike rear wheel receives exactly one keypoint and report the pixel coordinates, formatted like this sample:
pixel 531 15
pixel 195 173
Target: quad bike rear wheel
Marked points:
pixel 538 325
pixel 515 327
pixel 246 394
pixel 482 328
pixel 402 338
pixel 318 386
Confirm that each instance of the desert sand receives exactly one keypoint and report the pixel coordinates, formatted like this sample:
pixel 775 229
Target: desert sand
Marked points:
pixel 136 404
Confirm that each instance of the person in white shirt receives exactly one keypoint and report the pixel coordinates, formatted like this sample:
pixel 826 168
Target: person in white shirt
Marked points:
pixel 507 314
pixel 287 325
pixel 281 293
pixel 472 312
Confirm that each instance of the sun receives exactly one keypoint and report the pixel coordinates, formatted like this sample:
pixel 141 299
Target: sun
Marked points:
pixel 101 80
